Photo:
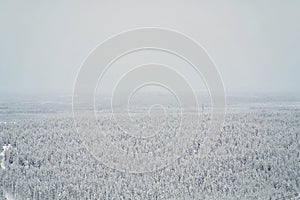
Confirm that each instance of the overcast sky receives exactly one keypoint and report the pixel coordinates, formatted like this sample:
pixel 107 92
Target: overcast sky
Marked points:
pixel 255 44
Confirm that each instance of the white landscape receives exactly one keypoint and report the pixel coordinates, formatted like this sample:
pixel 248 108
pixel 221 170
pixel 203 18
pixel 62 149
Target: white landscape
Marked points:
pixel 254 156
pixel 150 100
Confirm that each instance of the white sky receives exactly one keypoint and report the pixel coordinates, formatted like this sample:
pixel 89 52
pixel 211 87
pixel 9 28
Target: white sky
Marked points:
pixel 255 44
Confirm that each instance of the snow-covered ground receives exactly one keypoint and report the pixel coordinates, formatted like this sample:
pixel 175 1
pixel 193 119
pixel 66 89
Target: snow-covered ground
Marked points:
pixel 8 196
pixel 2 154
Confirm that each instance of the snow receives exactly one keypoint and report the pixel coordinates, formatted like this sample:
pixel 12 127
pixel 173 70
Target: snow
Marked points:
pixel 6 123
pixel 5 148
pixel 8 196
pixel 255 154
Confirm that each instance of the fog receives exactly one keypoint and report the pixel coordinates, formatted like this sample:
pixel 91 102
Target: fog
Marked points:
pixel 255 45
